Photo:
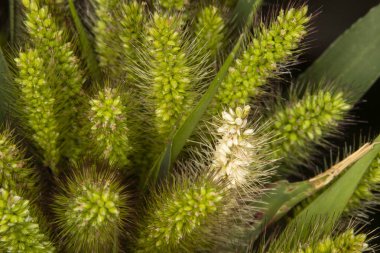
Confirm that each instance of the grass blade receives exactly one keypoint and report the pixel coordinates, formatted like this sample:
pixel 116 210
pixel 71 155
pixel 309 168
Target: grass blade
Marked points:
pixel 352 60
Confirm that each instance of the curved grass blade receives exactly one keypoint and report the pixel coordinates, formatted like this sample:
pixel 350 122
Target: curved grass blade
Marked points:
pixel 332 202
pixel 283 195
pixel 87 50
pixel 353 60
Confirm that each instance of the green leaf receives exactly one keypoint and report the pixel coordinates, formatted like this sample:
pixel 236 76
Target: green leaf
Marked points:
pixel 332 202
pixel 243 10
pixel 283 196
pixel 87 50
pixel 353 60
pixel 162 166
pixel 4 87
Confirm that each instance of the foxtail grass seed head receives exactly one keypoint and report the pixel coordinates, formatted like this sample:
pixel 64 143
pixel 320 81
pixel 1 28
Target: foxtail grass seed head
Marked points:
pixel 108 129
pixel 307 121
pixel 180 216
pixel 19 231
pixel 38 100
pixel 368 187
pixel 91 211
pixel 347 242
pixel 172 4
pixel 14 171
pixel 169 72
pixel 106 29
pixel 209 30
pixel 131 22
pixel 239 154
pixel 54 48
pixel 269 49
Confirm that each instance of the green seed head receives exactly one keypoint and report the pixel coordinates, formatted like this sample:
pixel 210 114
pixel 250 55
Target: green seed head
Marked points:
pixel 108 128
pixel 209 29
pixel 269 49
pixel 132 20
pixel 346 242
pixel 14 173
pixel 19 231
pixel 38 100
pixel 180 216
pixel 169 72
pixel 91 211
pixel 172 4
pixel 367 189
pixel 307 121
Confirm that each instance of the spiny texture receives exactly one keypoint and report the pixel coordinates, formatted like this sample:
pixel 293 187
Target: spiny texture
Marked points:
pixel 56 52
pixel 61 67
pixel 172 4
pixel 209 30
pixel 239 151
pixel 367 188
pixel 307 121
pixel 169 72
pixel 14 173
pixel 19 231
pixel 180 216
pixel 91 211
pixel 130 34
pixel 270 48
pixel 106 35
pixel 346 242
pixel 38 100
pixel 108 129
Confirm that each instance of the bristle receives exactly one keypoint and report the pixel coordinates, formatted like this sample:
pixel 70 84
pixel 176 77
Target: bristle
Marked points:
pixel 38 103
pixel 14 171
pixel 209 30
pixel 270 48
pixel 19 231
pixel 108 126
pixel 91 210
pixel 306 122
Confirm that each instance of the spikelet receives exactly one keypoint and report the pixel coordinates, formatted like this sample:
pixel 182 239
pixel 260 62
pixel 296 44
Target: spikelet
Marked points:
pixel 61 67
pixel 182 214
pixel 240 152
pixel 91 210
pixel 270 48
pixel 108 127
pixel 132 20
pixel 347 242
pixel 172 4
pixel 107 43
pixel 367 189
pixel 54 48
pixel 14 171
pixel 305 122
pixel 169 74
pixel 19 231
pixel 38 103
pixel 209 30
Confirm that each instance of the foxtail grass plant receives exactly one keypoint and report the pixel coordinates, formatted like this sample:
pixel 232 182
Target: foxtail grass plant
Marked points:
pixel 166 126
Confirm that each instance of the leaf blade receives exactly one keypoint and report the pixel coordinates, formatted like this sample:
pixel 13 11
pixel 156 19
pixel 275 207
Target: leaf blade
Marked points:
pixel 351 60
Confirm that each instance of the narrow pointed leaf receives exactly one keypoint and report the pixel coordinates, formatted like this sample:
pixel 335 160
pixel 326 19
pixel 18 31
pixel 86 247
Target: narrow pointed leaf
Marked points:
pixel 352 60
